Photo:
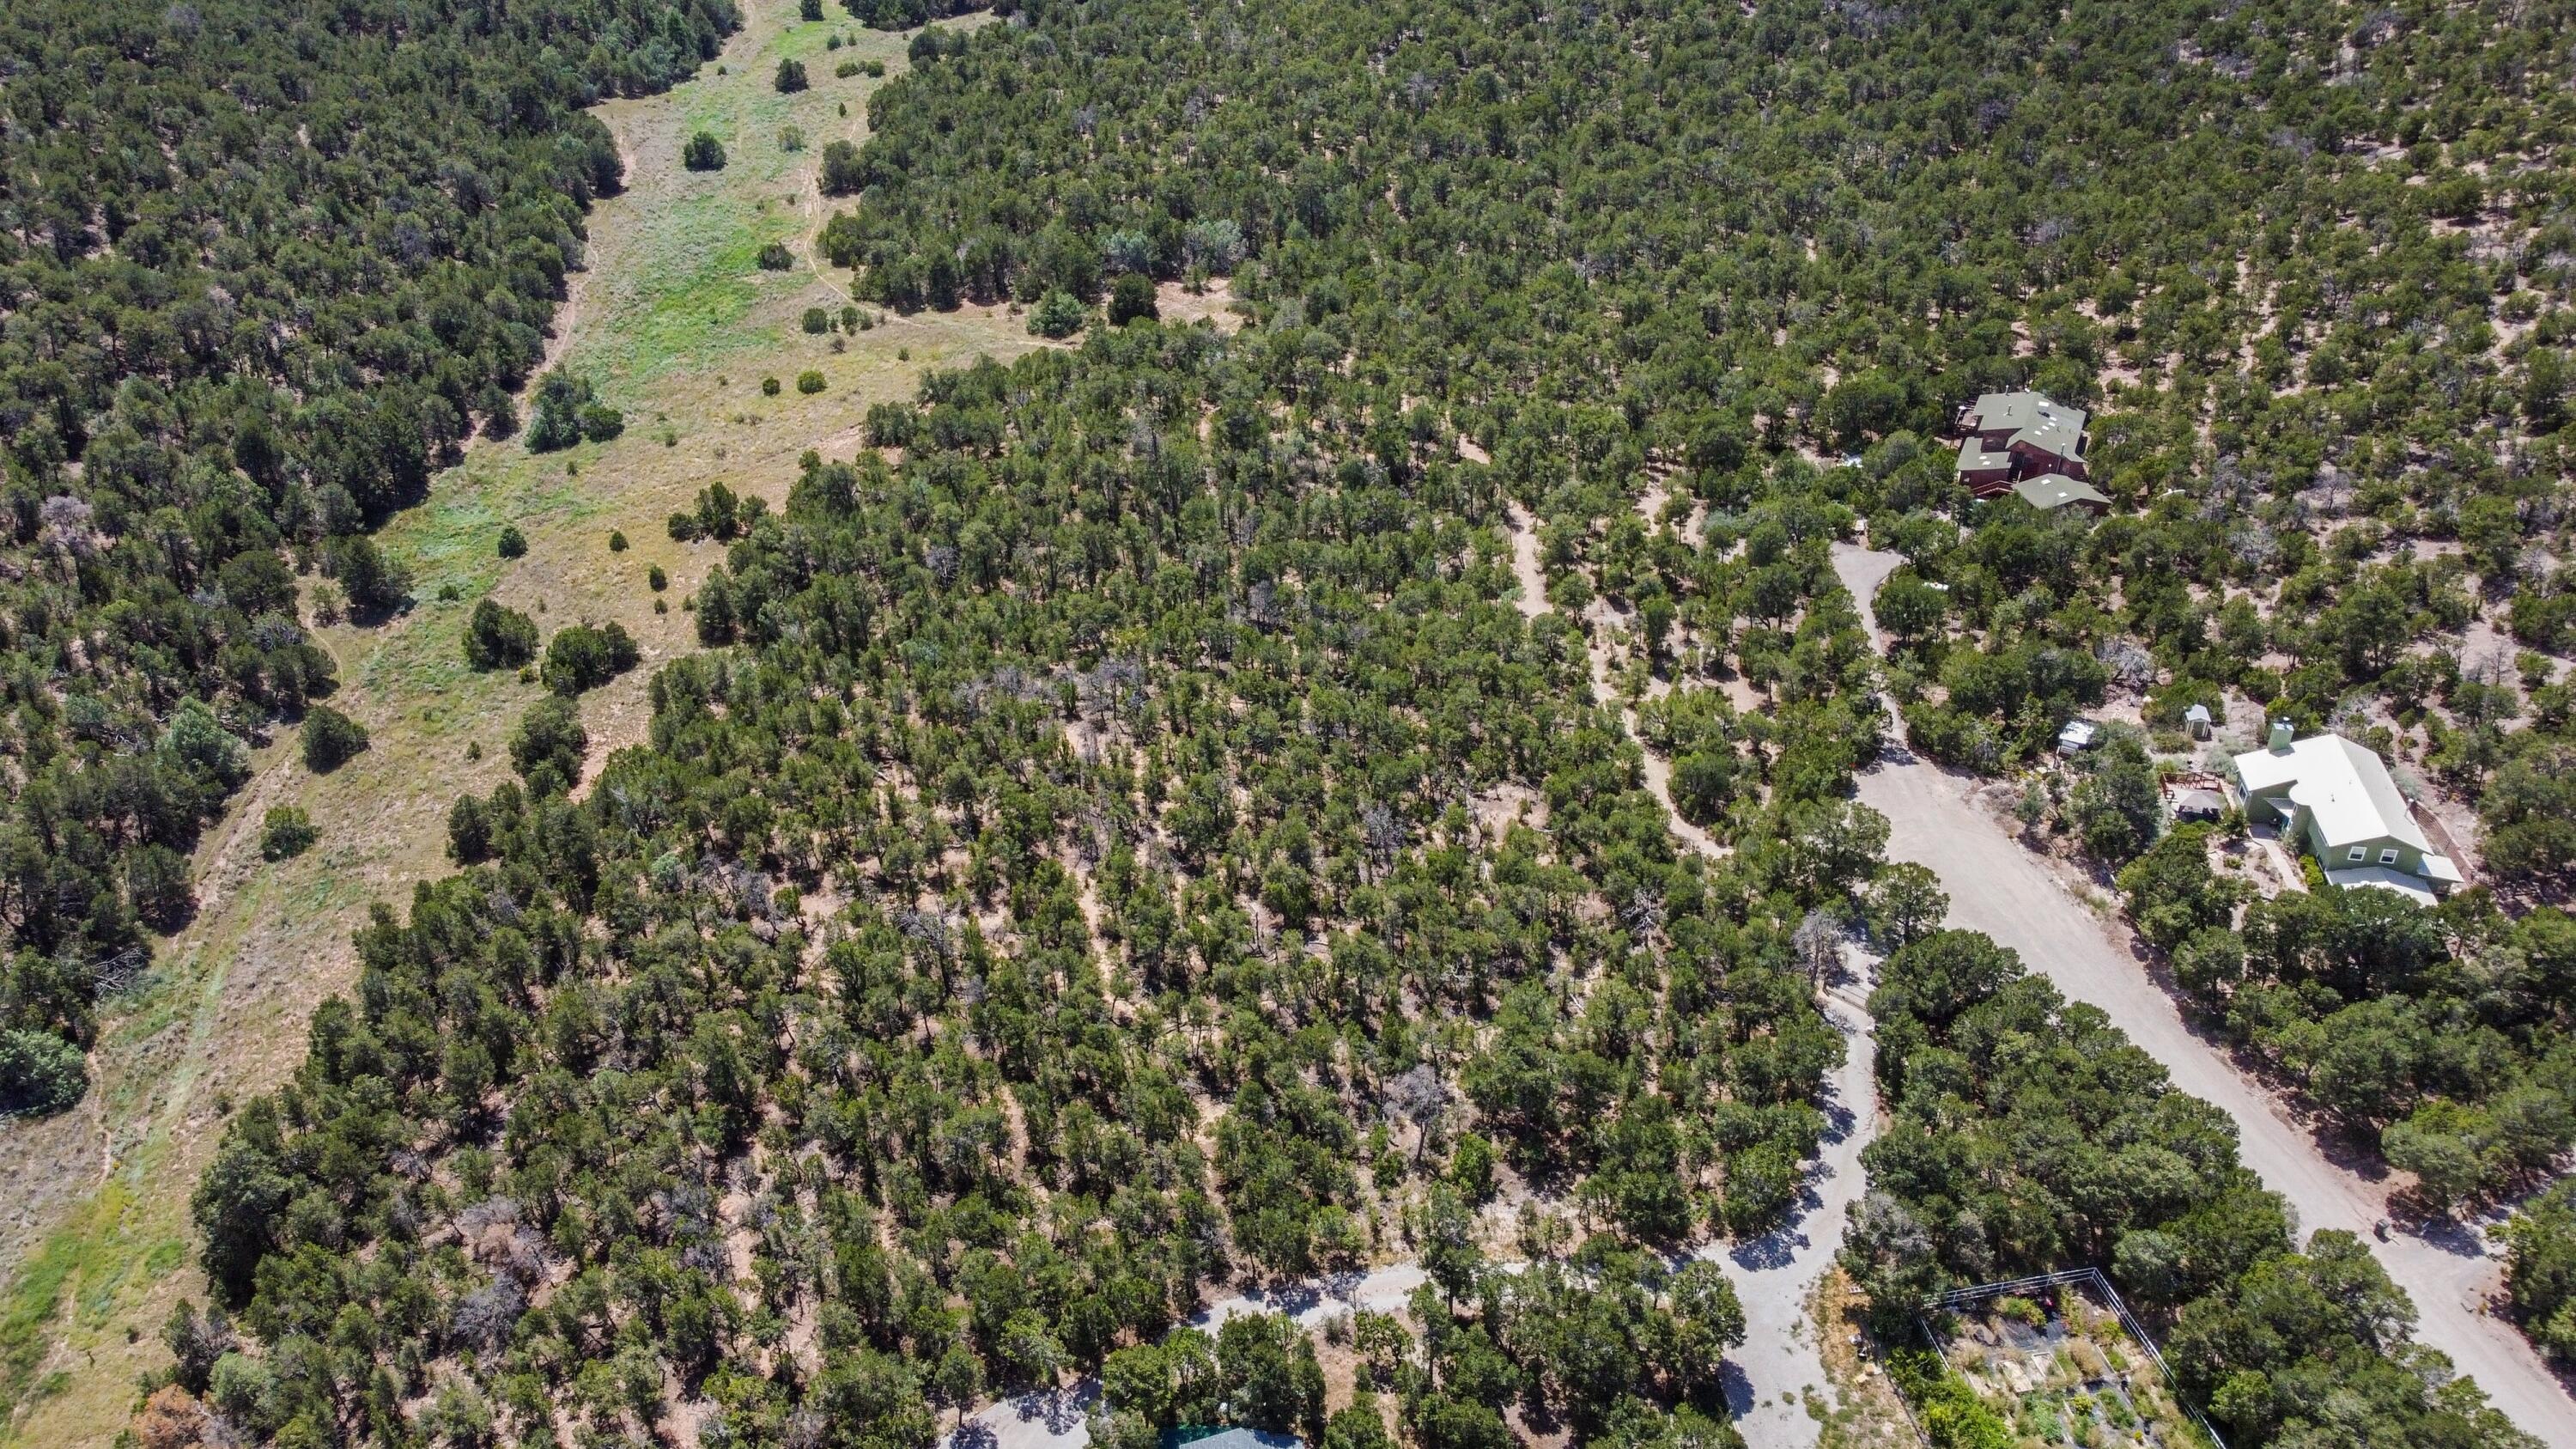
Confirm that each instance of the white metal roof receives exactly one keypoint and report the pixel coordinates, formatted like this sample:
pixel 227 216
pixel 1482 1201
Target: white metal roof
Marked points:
pixel 2344 786
pixel 2380 877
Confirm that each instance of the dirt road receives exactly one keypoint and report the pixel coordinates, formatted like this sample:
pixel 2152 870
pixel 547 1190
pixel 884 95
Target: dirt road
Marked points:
pixel 1767 1379
pixel 1998 887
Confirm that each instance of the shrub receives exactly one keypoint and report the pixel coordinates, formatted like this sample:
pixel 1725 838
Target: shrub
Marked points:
pixel 769 387
pixel 1471 1168
pixel 499 637
pixel 2542 1273
pixel 791 139
pixel 2115 807
pixel 775 257
pixel 548 746
pixel 40 1073
pixel 842 174
pixel 330 739
pixel 286 832
pixel 703 153
pixel 809 381
pixel 891 425
pixel 242 1386
pixel 568 412
pixel 1215 247
pixel 375 585
pixel 2172 894
pixel 1952 738
pixel 1131 297
pixel 719 514
pixel 197 739
pixel 846 69
pixel 817 321
pixel 617 540
pixel 581 657
pixel 810 10
pixel 158 886
pixel 1127 250
pixel 258 583
pixel 790 78
pixel 469 831
pixel 1056 315
pixel 514 544
pixel 655 579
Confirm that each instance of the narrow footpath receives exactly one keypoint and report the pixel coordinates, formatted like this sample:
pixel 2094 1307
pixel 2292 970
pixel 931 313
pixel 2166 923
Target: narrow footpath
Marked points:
pixel 1999 887
pixel 1780 1362
pixel 1658 771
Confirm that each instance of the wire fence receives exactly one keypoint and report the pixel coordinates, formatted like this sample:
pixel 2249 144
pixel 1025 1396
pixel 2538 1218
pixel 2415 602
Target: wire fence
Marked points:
pixel 2092 1278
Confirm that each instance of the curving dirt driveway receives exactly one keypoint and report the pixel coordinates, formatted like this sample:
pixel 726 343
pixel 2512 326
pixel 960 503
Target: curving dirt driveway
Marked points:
pixel 1998 887
pixel 1775 1275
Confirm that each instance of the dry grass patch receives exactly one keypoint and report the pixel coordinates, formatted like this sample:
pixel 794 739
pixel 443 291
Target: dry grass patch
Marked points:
pixel 1866 1412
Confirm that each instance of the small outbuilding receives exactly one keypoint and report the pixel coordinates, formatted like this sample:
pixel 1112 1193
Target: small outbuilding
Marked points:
pixel 2196 720
pixel 2078 736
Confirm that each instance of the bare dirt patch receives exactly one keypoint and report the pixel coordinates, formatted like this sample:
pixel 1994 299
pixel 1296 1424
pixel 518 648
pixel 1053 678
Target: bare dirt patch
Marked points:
pixel 1213 304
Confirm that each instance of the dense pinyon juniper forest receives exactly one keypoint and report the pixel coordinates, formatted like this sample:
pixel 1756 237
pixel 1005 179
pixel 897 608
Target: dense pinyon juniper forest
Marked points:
pixel 264 268
pixel 1130 835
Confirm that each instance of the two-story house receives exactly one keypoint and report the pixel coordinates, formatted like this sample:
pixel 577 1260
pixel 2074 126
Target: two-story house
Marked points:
pixel 2011 436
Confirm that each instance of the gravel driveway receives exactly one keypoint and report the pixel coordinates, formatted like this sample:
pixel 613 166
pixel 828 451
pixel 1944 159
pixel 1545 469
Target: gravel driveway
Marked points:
pixel 1999 887
pixel 1769 1376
